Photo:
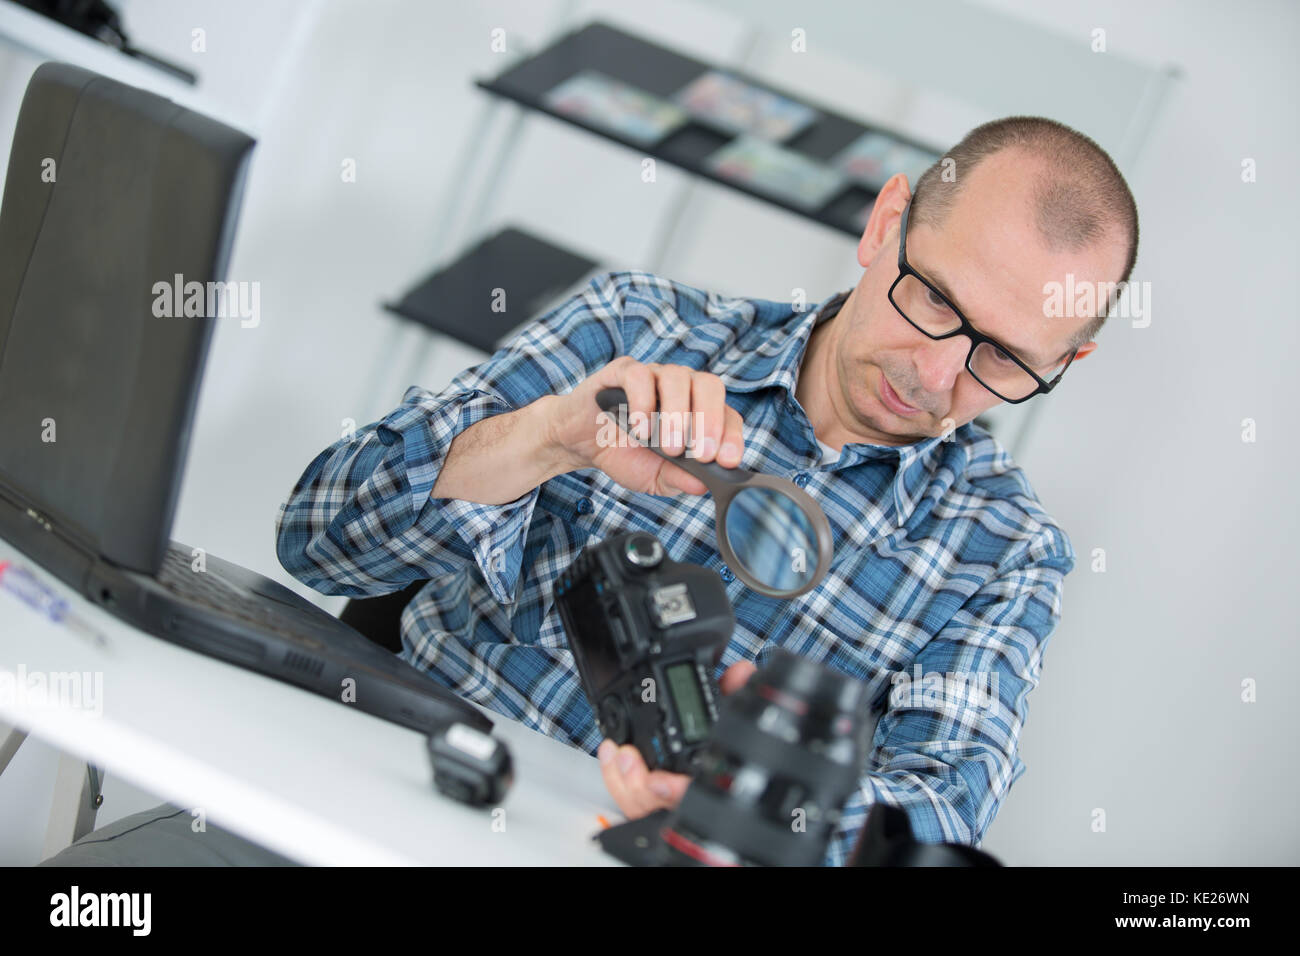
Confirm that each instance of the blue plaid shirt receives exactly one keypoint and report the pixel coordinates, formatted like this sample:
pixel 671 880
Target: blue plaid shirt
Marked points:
pixel 945 586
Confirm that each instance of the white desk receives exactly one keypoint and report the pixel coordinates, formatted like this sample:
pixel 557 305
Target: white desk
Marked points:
pixel 301 775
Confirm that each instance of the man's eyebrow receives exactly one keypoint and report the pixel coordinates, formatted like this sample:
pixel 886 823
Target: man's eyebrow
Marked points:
pixel 1037 361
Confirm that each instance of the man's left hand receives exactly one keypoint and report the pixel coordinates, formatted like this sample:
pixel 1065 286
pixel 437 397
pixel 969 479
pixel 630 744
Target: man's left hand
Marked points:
pixel 636 789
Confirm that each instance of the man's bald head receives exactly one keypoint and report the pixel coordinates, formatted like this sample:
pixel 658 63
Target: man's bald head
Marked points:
pixel 1078 195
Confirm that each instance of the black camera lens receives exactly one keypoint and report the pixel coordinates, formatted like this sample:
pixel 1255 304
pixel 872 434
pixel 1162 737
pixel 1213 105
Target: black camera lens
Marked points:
pixel 784 757
pixel 887 840
pixel 469 765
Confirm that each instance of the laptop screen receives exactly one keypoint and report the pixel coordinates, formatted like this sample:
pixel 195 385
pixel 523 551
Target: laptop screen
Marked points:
pixel 111 194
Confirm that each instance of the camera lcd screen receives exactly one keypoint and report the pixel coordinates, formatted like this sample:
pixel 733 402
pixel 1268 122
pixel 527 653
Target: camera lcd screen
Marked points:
pixel 692 716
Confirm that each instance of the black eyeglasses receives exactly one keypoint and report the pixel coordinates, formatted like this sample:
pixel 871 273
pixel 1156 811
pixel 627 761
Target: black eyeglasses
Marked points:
pixel 930 312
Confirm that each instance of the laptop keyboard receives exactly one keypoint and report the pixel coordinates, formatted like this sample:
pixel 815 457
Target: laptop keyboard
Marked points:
pixel 178 576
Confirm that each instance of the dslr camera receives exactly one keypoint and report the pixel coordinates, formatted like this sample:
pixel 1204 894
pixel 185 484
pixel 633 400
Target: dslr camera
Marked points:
pixel 646 633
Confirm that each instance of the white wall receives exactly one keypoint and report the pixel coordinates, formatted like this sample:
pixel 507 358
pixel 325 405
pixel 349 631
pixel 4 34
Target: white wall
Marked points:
pixel 1139 710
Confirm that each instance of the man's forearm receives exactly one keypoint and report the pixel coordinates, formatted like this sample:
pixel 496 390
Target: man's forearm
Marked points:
pixel 503 457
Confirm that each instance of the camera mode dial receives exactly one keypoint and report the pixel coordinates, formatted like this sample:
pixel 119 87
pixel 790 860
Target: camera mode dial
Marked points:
pixel 643 551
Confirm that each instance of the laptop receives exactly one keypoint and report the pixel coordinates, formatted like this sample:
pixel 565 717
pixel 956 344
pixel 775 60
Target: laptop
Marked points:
pixel 109 191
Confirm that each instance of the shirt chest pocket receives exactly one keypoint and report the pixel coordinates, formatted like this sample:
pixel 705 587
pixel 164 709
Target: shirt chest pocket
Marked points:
pixel 561 496
pixel 593 506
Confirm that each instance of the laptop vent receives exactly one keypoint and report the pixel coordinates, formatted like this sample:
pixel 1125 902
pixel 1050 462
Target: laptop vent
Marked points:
pixel 304 663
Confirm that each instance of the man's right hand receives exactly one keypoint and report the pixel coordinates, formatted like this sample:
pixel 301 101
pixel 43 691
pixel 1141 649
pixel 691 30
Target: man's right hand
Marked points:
pixel 506 456
pixel 580 434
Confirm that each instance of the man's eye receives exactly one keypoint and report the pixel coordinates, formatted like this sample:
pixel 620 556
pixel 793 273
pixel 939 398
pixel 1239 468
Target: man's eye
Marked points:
pixel 934 299
pixel 1002 356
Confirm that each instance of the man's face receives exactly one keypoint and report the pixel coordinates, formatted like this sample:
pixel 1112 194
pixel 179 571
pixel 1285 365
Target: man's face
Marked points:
pixel 891 383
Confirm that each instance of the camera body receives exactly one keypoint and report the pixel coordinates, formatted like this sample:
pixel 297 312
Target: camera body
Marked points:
pixel 646 633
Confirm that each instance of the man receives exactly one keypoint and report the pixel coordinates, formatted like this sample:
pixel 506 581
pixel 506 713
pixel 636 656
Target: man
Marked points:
pixel 945 561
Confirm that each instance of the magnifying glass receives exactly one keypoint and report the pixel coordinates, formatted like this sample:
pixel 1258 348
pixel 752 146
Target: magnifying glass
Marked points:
pixel 769 530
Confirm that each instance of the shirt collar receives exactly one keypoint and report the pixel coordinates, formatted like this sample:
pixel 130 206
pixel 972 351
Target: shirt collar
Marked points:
pixel 775 364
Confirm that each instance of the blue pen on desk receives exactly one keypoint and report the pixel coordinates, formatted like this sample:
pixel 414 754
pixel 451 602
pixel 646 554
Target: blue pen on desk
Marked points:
pixel 22 583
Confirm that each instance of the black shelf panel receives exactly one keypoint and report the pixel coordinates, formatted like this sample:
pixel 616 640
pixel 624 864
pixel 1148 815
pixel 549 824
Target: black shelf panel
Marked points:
pixel 456 300
pixel 662 72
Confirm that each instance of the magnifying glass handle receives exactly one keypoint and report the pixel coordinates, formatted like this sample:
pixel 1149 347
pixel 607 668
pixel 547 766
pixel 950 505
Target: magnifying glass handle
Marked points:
pixel 609 400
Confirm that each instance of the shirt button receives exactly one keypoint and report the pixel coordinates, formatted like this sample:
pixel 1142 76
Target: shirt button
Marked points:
pixel 801 480
pixel 585 506
pixel 727 574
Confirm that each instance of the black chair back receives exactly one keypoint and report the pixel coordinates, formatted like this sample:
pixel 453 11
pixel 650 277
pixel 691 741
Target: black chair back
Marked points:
pixel 380 618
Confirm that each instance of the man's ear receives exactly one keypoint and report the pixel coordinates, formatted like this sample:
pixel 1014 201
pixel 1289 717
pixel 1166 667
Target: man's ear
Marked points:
pixel 1084 350
pixel 885 213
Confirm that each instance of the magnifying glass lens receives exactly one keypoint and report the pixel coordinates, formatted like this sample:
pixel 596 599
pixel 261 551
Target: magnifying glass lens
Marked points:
pixel 776 536
pixel 772 537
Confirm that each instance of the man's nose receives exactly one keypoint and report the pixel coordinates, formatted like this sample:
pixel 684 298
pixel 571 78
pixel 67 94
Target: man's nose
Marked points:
pixel 938 363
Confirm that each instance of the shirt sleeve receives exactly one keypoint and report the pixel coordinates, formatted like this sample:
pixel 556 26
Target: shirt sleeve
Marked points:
pixel 360 521
pixel 945 748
